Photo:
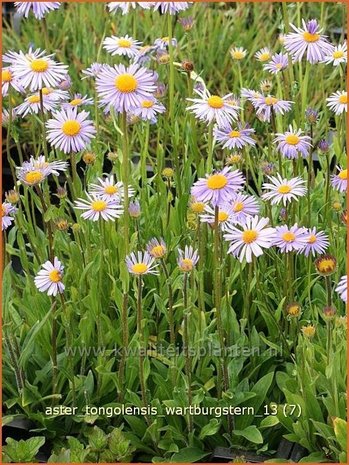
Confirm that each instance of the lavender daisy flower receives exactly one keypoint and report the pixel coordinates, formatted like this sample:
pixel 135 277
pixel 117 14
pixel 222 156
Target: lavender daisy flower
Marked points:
pixel 236 138
pixel 7 210
pixel 96 208
pixel 32 105
pixel 340 180
pixel 265 105
pixel 142 263
pixel 110 189
pixel 289 239
pixel 77 101
pixel 123 46
pixel 292 143
pixel 157 248
pixel 238 53
pixel 125 6
pixel 124 88
pixel 307 40
pixel 251 239
pixel 338 102
pixel 36 70
pixel 30 175
pixel 250 94
pixel 163 43
pixel 39 8
pixel 213 108
pixel 244 206
pixel 316 242
pixel 8 81
pixel 225 215
pixel 263 54
pixel 49 278
pixel 342 288
pixel 187 259
pixel 171 8
pixel 218 187
pixel 143 55
pixel 134 209
pixel 94 70
pixel 149 109
pixel 5 117
pixel 278 62
pixel 69 130
pixel 338 55
pixel 56 95
pixel 187 23
pixel 283 190
pixel 40 163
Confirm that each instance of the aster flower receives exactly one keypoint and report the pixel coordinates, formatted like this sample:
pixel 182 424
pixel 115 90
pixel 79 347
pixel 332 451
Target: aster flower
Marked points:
pixel 5 117
pixel 32 176
pixel 36 70
pixel 263 54
pixel 338 102
pixel 171 8
pixel 39 8
pixel 163 43
pixel 134 209
pixel 342 288
pixel 69 130
pixel 77 101
pixel 94 70
pixel 49 278
pixel 149 109
pixel 250 94
pixel 213 108
pixel 338 55
pixel 141 263
pixel 143 55
pixel 187 259
pixel 283 190
pixel 292 143
pixel 340 180
pixel 96 208
pixel 56 95
pixel 196 207
pixel 125 6
pixel 309 40
pixel 238 53
pixel 251 239
pixel 244 206
pixel 316 242
pixel 289 239
pixel 7 81
pixel 123 46
pixel 278 62
pixel 7 210
pixel 157 248
pixel 225 215
pixel 218 187
pixel 109 189
pixel 40 163
pixel 265 105
pixel 187 23
pixel 124 88
pixel 326 265
pixel 32 105
pixel 235 138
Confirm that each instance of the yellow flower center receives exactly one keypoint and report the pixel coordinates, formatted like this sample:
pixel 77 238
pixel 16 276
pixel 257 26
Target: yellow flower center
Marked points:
pixel 198 207
pixel 39 66
pixel 292 139
pixel 270 100
pixel 55 276
pixel 76 101
pixel 222 216
pixel 264 57
pixel 33 177
pixel 147 104
pixel 215 101
pixel 99 205
pixel 233 134
pixel 71 127
pixel 217 181
pixel 139 268
pixel 284 189
pixel 158 251
pixel 238 207
pixel 249 236
pixel 235 159
pixel 293 310
pixel 125 43
pixel 308 331
pixel 237 55
pixel 278 65
pixel 288 236
pixel 343 99
pixel 165 39
pixel 186 264
pixel 46 91
pixel 326 265
pixel 308 37
pixel 311 239
pixel 338 54
pixel 111 190
pixel 6 75
pixel 343 175
pixel 126 83
pixel 34 99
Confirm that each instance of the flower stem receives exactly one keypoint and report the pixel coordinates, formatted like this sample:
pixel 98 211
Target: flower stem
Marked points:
pixel 170 303
pixel 125 336
pixel 141 342
pixel 171 76
pixel 49 223
pixel 44 141
pixel 188 363
pixel 125 166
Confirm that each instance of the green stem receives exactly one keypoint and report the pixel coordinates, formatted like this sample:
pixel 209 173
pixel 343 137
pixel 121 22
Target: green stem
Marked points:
pixel 188 362
pixel 171 76
pixel 141 342
pixel 170 303
pixel 125 167
pixel 44 141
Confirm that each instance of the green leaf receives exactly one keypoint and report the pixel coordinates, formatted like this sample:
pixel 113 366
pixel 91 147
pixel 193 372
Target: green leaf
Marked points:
pixel 340 430
pixel 210 429
pixel 251 433
pixel 188 455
